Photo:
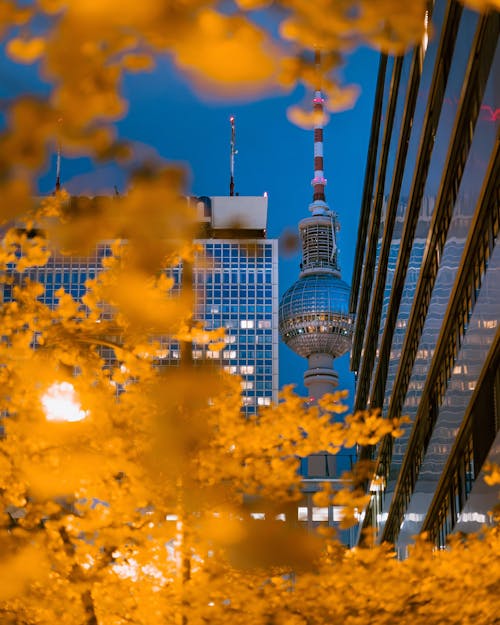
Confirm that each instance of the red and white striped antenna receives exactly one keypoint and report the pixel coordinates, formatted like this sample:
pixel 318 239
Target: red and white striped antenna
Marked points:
pixel 319 180
pixel 232 155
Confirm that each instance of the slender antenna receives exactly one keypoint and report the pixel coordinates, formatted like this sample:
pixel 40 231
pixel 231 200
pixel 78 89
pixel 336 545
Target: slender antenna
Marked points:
pixel 233 153
pixel 58 159
pixel 58 167
pixel 319 180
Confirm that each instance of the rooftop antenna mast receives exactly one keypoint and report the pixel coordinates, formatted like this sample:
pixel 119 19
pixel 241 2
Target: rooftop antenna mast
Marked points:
pixel 58 167
pixel 233 153
pixel 58 161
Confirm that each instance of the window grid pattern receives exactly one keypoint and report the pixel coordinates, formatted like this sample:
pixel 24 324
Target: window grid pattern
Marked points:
pixel 235 287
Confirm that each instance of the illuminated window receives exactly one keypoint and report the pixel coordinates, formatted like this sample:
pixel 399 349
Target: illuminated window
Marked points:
pixel 247 369
pixel 320 514
pixel 246 324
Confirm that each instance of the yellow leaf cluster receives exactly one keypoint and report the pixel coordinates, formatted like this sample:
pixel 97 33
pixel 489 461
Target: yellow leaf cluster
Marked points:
pixel 12 14
pixel 227 50
pixel 492 476
pixel 26 50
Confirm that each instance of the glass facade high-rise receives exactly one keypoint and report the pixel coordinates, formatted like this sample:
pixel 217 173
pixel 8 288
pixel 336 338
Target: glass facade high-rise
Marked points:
pixel 426 282
pixel 235 282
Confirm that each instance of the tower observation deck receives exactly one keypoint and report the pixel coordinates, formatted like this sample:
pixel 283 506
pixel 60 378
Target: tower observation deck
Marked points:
pixel 314 319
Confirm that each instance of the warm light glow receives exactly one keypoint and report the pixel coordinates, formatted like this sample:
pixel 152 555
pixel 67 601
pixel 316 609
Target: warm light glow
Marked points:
pixel 377 484
pixel 425 38
pixel 60 403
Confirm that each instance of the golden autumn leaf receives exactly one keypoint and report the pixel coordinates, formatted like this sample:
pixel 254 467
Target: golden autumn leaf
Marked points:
pixel 137 62
pixel 268 543
pixel 483 6
pixel 25 50
pixel 304 118
pixel 492 476
pixel 15 198
pixel 251 5
pixel 29 564
pixel 226 53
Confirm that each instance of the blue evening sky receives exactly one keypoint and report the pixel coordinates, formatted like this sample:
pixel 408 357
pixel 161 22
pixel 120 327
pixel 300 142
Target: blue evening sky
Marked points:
pixel 274 156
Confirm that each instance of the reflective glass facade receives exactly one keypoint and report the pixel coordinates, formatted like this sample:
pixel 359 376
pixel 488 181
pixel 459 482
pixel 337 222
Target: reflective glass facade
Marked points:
pixel 427 300
pixel 235 284
pixel 236 287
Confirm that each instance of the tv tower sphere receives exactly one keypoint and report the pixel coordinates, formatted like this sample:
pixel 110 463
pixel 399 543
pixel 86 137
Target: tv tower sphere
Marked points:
pixel 314 319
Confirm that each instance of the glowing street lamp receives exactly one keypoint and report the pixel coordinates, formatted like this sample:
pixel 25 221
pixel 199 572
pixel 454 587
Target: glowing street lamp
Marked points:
pixel 60 403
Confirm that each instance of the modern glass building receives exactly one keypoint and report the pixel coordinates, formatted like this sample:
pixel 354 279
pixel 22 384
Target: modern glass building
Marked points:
pixel 235 280
pixel 426 281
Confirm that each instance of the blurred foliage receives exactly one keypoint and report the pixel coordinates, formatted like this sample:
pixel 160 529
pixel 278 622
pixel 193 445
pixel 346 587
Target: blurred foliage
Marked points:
pixel 140 512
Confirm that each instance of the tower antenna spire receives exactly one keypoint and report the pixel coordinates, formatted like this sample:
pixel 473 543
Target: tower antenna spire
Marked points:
pixel 313 316
pixel 232 155
pixel 319 180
